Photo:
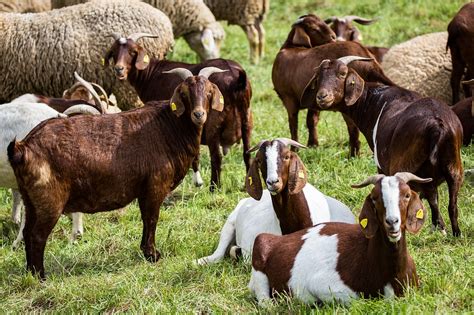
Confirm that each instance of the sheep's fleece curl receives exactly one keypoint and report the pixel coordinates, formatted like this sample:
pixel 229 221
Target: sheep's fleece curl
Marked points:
pixel 422 65
pixel 23 6
pixel 39 52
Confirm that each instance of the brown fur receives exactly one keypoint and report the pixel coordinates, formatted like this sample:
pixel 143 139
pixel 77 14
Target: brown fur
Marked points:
pixel 464 109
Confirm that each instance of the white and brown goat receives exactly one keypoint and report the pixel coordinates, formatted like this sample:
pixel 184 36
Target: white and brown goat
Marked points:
pixel 339 261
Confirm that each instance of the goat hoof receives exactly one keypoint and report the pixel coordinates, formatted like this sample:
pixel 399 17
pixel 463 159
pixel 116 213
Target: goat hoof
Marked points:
pixel 235 252
pixel 201 261
pixel 16 219
pixel 76 236
pixel 153 256
pixel 456 232
pixel 313 143
pixel 435 228
pixel 197 179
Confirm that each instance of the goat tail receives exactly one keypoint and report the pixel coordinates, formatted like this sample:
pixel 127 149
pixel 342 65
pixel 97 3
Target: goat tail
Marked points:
pixel 437 133
pixel 16 153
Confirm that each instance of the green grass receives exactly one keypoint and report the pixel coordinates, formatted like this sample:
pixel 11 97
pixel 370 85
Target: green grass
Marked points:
pixel 106 272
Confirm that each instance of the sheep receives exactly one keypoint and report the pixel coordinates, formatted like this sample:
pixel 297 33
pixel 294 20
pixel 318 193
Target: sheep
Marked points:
pixel 461 44
pixel 345 30
pixel 62 41
pixel 152 83
pixel 419 135
pixel 249 15
pixel 191 20
pixel 293 68
pixel 340 261
pixel 24 6
pixel 465 111
pixel 425 63
pixel 288 204
pixel 143 156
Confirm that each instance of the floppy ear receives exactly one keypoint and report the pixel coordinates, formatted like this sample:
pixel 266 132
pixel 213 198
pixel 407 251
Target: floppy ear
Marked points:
pixel 297 176
pixel 176 103
pixel 368 218
pixel 106 59
pixel 309 93
pixel 143 60
pixel 354 87
pixel 217 102
pixel 300 38
pixel 416 214
pixel 253 183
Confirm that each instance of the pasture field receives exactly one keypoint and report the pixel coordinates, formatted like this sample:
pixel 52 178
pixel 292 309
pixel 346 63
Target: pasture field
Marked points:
pixel 106 271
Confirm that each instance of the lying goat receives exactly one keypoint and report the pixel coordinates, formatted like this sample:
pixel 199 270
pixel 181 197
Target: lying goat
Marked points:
pixel 419 135
pixel 289 204
pixel 339 261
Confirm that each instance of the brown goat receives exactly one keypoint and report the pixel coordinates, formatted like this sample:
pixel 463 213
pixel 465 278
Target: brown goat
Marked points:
pixel 464 109
pixel 149 78
pixel 419 135
pixel 340 261
pixel 101 163
pixel 294 66
pixel 461 44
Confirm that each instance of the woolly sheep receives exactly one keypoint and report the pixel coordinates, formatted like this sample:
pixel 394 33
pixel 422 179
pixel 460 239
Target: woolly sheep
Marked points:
pixel 422 65
pixel 191 19
pixel 248 14
pixel 62 41
pixel 23 6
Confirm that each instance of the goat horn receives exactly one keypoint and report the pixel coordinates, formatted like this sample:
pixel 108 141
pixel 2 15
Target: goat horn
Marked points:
pixel 407 177
pixel 91 90
pixel 291 142
pixel 348 59
pixel 299 20
pixel 182 72
pixel 370 180
pixel 137 36
pixel 358 19
pixel 103 93
pixel 207 71
pixel 115 36
pixel 330 20
pixel 468 82
pixel 82 109
pixel 256 147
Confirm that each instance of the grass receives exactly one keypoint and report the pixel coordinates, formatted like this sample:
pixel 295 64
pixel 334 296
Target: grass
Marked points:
pixel 105 271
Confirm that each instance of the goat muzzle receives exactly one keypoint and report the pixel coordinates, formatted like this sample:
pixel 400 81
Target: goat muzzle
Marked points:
pixel 324 99
pixel 199 117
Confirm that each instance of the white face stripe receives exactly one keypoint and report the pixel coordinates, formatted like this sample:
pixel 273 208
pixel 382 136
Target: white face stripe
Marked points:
pixel 271 154
pixel 122 41
pixel 391 198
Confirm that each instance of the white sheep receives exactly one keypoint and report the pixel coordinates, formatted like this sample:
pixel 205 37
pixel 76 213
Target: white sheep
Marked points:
pixel 249 15
pixel 422 65
pixel 191 19
pixel 39 50
pixel 24 6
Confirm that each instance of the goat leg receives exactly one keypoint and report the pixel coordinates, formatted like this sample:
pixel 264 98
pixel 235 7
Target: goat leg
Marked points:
pixel 216 161
pixel 246 131
pixel 456 74
pixel 454 183
pixel 437 221
pixel 17 205
pixel 253 38
pixel 197 179
pixel 150 211
pixel 353 131
pixel 312 120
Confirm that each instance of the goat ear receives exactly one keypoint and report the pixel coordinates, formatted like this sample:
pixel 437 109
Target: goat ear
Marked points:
pixel 217 102
pixel 309 93
pixel 354 87
pixel 253 183
pixel 106 59
pixel 297 174
pixel 368 218
pixel 176 103
pixel 416 214
pixel 300 38
pixel 143 60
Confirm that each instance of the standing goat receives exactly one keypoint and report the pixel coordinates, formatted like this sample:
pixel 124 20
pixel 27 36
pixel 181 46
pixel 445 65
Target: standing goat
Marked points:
pixel 150 79
pixel 338 261
pixel 290 203
pixel 104 162
pixel 419 135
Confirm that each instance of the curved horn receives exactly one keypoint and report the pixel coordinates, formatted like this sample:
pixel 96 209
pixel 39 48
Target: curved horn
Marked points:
pixel 115 35
pixel 291 142
pixel 103 93
pixel 256 147
pixel 370 180
pixel 91 90
pixel 82 109
pixel 183 73
pixel 407 177
pixel 72 88
pixel 137 36
pixel 358 19
pixel 207 71
pixel 470 82
pixel 299 20
pixel 330 20
pixel 348 59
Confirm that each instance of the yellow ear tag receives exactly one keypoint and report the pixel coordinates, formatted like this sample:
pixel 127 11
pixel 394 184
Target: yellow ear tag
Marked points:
pixel 419 214
pixel 173 106
pixel 102 61
pixel 364 222
pixel 301 174
pixel 221 99
pixel 353 82
pixel 250 180
pixel 146 59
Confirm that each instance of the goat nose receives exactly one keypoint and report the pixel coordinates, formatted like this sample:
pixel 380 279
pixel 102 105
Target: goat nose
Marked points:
pixel 322 96
pixel 391 221
pixel 271 182
pixel 119 68
pixel 198 115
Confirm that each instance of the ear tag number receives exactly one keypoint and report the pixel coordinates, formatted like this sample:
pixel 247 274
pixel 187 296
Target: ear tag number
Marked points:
pixel 250 180
pixel 173 106
pixel 419 214
pixel 364 222
pixel 301 174
pixel 146 59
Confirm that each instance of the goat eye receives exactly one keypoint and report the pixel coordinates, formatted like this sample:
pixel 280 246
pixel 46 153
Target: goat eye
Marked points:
pixel 287 157
pixel 342 74
pixel 407 196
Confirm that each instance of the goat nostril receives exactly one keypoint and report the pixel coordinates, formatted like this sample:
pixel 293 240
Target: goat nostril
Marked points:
pixel 272 181
pixel 198 114
pixel 391 221
pixel 321 96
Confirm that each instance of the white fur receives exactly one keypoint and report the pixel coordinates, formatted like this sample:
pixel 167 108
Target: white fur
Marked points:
pixel 26 98
pixel 314 275
pixel 197 179
pixel 374 137
pixel 391 198
pixel 271 154
pixel 388 291
pixel 259 286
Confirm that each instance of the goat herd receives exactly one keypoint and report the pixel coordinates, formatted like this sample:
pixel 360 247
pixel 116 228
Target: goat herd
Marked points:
pixel 79 153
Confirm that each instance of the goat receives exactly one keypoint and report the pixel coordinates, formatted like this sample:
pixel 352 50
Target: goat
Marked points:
pixel 340 261
pixel 419 135
pixel 294 66
pixel 145 154
pixel 149 78
pixel 461 44
pixel 289 204
pixel 345 30
pixel 464 109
